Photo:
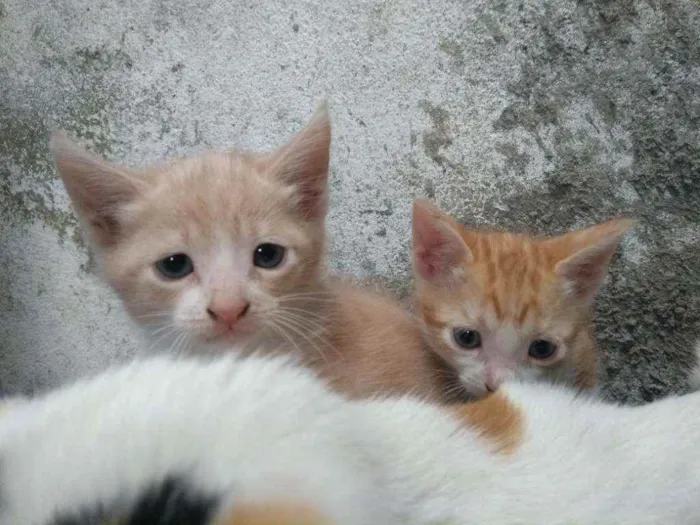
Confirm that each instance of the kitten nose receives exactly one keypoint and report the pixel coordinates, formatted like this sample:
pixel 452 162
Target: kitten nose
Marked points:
pixel 494 378
pixel 228 314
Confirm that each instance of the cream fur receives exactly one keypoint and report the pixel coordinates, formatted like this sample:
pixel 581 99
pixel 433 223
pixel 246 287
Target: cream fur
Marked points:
pixel 265 429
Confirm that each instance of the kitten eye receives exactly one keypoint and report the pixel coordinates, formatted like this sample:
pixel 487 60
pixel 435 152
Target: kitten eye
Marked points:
pixel 467 338
pixel 269 255
pixel 542 349
pixel 175 266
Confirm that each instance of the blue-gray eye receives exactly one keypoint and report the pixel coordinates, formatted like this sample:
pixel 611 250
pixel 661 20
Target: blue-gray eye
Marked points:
pixel 176 266
pixel 268 255
pixel 542 349
pixel 469 339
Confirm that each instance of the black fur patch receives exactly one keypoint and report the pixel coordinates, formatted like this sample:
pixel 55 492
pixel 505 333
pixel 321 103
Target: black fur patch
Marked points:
pixel 172 502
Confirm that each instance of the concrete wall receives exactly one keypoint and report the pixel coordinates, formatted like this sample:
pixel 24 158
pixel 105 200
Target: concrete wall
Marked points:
pixel 540 115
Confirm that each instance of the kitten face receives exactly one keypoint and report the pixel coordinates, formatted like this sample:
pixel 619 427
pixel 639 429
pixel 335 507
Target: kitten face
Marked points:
pixel 218 268
pixel 490 334
pixel 218 250
pixel 497 305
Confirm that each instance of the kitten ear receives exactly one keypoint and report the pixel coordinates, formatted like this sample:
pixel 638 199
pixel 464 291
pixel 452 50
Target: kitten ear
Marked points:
pixel 438 248
pixel 589 253
pixel 97 189
pixel 304 163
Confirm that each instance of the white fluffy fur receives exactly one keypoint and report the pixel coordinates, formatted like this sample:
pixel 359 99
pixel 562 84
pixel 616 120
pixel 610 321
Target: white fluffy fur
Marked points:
pixel 265 428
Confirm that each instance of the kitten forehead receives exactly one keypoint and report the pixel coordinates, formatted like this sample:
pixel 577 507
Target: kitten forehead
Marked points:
pixel 206 204
pixel 513 276
pixel 217 190
pixel 510 282
pixel 507 336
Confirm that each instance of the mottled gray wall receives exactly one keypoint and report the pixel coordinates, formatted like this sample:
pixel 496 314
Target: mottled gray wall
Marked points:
pixel 538 115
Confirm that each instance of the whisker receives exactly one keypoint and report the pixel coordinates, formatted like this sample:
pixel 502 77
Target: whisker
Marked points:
pixel 303 320
pixel 286 336
pixel 175 349
pixel 156 343
pixel 307 298
pixel 452 389
pixel 176 344
pixel 315 330
pixel 308 323
pixel 444 373
pixel 162 328
pixel 146 302
pixel 185 344
pixel 153 315
pixel 311 329
pixel 301 334
pixel 304 313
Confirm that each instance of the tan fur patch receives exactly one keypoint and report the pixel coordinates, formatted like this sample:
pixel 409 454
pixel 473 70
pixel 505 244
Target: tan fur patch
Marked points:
pixel 496 419
pixel 274 513
pixel 378 347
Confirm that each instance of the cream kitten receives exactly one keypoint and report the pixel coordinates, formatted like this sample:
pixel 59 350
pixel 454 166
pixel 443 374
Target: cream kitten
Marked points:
pixel 498 304
pixel 228 248
pixel 260 441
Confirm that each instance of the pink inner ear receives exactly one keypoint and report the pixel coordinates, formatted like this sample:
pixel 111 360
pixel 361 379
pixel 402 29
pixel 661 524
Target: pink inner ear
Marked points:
pixel 430 258
pixel 585 277
pixel 435 245
pixel 584 271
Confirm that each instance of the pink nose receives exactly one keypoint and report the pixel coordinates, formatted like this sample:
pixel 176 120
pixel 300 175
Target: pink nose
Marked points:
pixel 494 378
pixel 228 314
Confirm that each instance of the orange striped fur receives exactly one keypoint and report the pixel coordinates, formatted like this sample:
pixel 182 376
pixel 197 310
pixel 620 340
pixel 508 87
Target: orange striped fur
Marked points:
pixel 513 290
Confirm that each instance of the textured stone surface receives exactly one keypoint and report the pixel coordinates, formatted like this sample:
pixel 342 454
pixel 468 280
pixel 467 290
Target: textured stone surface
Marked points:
pixel 537 115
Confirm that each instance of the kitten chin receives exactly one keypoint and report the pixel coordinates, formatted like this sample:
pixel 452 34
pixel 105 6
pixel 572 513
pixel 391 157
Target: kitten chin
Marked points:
pixel 499 305
pixel 226 251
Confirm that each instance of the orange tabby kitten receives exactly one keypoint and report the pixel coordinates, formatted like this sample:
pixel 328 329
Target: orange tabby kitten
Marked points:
pixel 498 304
pixel 226 250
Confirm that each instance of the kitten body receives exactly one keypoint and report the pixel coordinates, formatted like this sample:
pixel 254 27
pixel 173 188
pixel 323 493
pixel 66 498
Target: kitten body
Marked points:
pixel 227 249
pixel 231 441
pixel 498 304
pixel 380 348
